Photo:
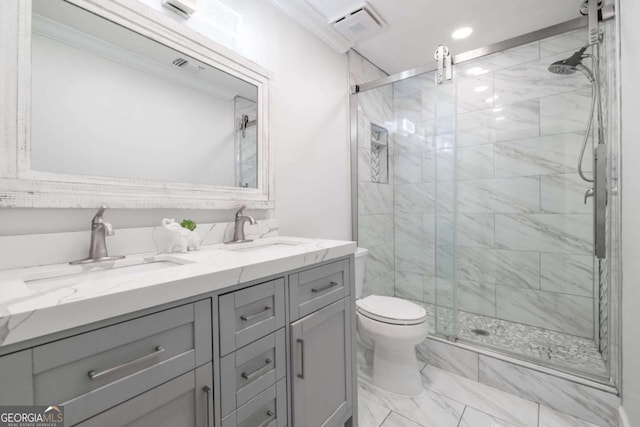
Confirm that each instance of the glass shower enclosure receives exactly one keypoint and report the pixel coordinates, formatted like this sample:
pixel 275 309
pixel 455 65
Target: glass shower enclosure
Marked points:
pixel 470 201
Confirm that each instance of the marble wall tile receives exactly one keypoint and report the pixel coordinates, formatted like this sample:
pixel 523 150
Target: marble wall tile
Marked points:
pixel 472 92
pixel 444 227
pixel 566 42
pixel 584 402
pixel 546 155
pixel 475 230
pixel 429 288
pixel 565 194
pixel 364 164
pixel 476 297
pixel 445 196
pixel 408 227
pixel 375 198
pixel 508 268
pixel 429 228
pixel 504 195
pixel 444 164
pixel 380 261
pixel 507 58
pixel 404 142
pixel 504 123
pixel 444 262
pixel 564 313
pixel 449 358
pixel 475 162
pixel 380 285
pixel 414 198
pixel 408 168
pixel 551 418
pixel 428 166
pixel 376 103
pixel 565 112
pixel 375 230
pixel 552 233
pixel 429 408
pixel 533 80
pixel 414 257
pixel 410 285
pixel 443 293
pixel 482 397
pixel 475 418
pixel 568 274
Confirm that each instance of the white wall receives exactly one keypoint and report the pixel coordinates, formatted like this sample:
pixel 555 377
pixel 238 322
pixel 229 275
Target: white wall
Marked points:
pixel 630 61
pixel 309 129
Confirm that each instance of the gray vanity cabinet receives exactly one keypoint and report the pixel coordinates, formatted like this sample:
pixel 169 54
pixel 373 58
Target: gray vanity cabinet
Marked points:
pixel 185 401
pixel 321 366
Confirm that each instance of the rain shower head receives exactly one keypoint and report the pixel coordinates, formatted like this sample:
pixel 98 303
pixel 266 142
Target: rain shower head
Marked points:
pixel 571 65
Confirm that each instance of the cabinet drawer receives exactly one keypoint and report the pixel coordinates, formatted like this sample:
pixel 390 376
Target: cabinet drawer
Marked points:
pixel 185 401
pixel 251 369
pixel 94 371
pixel 249 314
pixel 318 287
pixel 268 409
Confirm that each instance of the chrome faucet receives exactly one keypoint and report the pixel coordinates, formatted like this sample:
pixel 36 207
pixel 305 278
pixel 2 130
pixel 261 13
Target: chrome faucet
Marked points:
pixel 240 220
pixel 99 231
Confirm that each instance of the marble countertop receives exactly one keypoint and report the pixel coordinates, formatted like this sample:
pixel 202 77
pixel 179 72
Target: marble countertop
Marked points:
pixel 38 301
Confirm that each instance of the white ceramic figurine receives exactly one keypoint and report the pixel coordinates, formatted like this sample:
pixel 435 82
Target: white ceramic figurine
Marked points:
pixel 179 239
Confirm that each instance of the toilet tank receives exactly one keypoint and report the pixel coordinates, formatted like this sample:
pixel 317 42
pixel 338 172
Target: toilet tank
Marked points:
pixel 360 260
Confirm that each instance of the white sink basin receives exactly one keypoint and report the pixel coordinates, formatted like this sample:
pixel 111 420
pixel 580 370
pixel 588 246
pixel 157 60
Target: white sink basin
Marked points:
pixel 72 274
pixel 262 246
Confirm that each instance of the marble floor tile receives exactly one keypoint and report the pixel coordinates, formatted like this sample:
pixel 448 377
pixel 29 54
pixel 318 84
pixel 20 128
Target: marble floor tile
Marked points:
pixel 371 413
pixel 396 420
pixel 484 398
pixel 578 400
pixel 551 418
pixel 429 409
pixel 474 418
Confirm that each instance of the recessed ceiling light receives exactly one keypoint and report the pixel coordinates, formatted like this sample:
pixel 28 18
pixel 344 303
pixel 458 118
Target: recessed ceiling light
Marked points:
pixel 462 33
pixel 476 71
pixel 481 88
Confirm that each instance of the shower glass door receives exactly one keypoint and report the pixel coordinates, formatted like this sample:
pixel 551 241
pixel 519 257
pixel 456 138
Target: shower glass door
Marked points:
pixel 525 278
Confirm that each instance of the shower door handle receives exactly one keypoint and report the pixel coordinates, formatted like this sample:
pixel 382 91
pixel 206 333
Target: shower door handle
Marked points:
pixel 600 198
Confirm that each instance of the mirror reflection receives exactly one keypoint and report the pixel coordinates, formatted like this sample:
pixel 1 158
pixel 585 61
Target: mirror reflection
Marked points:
pixel 109 102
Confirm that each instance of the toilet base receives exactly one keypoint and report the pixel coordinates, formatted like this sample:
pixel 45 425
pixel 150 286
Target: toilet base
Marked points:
pixel 396 369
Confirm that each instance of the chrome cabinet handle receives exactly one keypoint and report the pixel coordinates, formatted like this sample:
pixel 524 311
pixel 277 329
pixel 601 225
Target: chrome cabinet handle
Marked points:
pixel 324 288
pixel 93 375
pixel 207 390
pixel 268 420
pixel 301 342
pixel 253 316
pixel 257 372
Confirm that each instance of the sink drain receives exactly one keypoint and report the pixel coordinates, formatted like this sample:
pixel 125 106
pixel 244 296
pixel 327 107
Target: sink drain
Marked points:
pixel 480 332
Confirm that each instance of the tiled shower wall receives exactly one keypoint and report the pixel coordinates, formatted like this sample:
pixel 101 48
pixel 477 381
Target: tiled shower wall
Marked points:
pixel 523 233
pixel 375 199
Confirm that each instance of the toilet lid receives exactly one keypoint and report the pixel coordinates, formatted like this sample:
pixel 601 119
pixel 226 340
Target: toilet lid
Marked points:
pixel 391 310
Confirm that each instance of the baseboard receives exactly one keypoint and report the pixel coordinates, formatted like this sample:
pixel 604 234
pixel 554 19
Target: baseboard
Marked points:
pixel 623 419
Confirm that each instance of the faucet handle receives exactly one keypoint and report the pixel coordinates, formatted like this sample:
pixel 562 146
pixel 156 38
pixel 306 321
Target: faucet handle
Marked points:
pixel 97 218
pixel 108 229
pixel 239 211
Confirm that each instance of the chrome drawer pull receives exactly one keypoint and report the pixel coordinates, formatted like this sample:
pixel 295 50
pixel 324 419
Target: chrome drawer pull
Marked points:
pixel 324 288
pixel 207 390
pixel 268 420
pixel 93 375
pixel 257 372
pixel 253 316
pixel 301 342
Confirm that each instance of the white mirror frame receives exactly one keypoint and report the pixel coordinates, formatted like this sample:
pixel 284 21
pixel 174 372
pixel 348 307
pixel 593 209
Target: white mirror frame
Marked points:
pixel 22 187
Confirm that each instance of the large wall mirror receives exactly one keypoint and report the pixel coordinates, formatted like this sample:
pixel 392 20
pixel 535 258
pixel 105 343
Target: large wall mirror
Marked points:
pixel 119 104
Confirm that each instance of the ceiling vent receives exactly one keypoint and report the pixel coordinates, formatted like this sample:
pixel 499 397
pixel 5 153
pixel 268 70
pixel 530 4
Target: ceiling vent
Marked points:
pixel 359 24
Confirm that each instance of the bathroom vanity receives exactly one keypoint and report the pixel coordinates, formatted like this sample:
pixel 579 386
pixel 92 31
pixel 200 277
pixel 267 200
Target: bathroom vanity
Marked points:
pixel 256 334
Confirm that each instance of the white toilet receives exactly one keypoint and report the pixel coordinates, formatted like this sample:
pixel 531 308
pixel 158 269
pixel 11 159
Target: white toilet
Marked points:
pixel 395 326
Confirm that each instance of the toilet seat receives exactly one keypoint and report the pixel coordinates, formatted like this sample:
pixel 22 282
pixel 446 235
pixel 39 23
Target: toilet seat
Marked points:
pixel 391 310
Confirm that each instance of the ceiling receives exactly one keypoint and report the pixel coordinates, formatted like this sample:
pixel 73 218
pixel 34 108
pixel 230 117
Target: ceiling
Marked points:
pixel 414 28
